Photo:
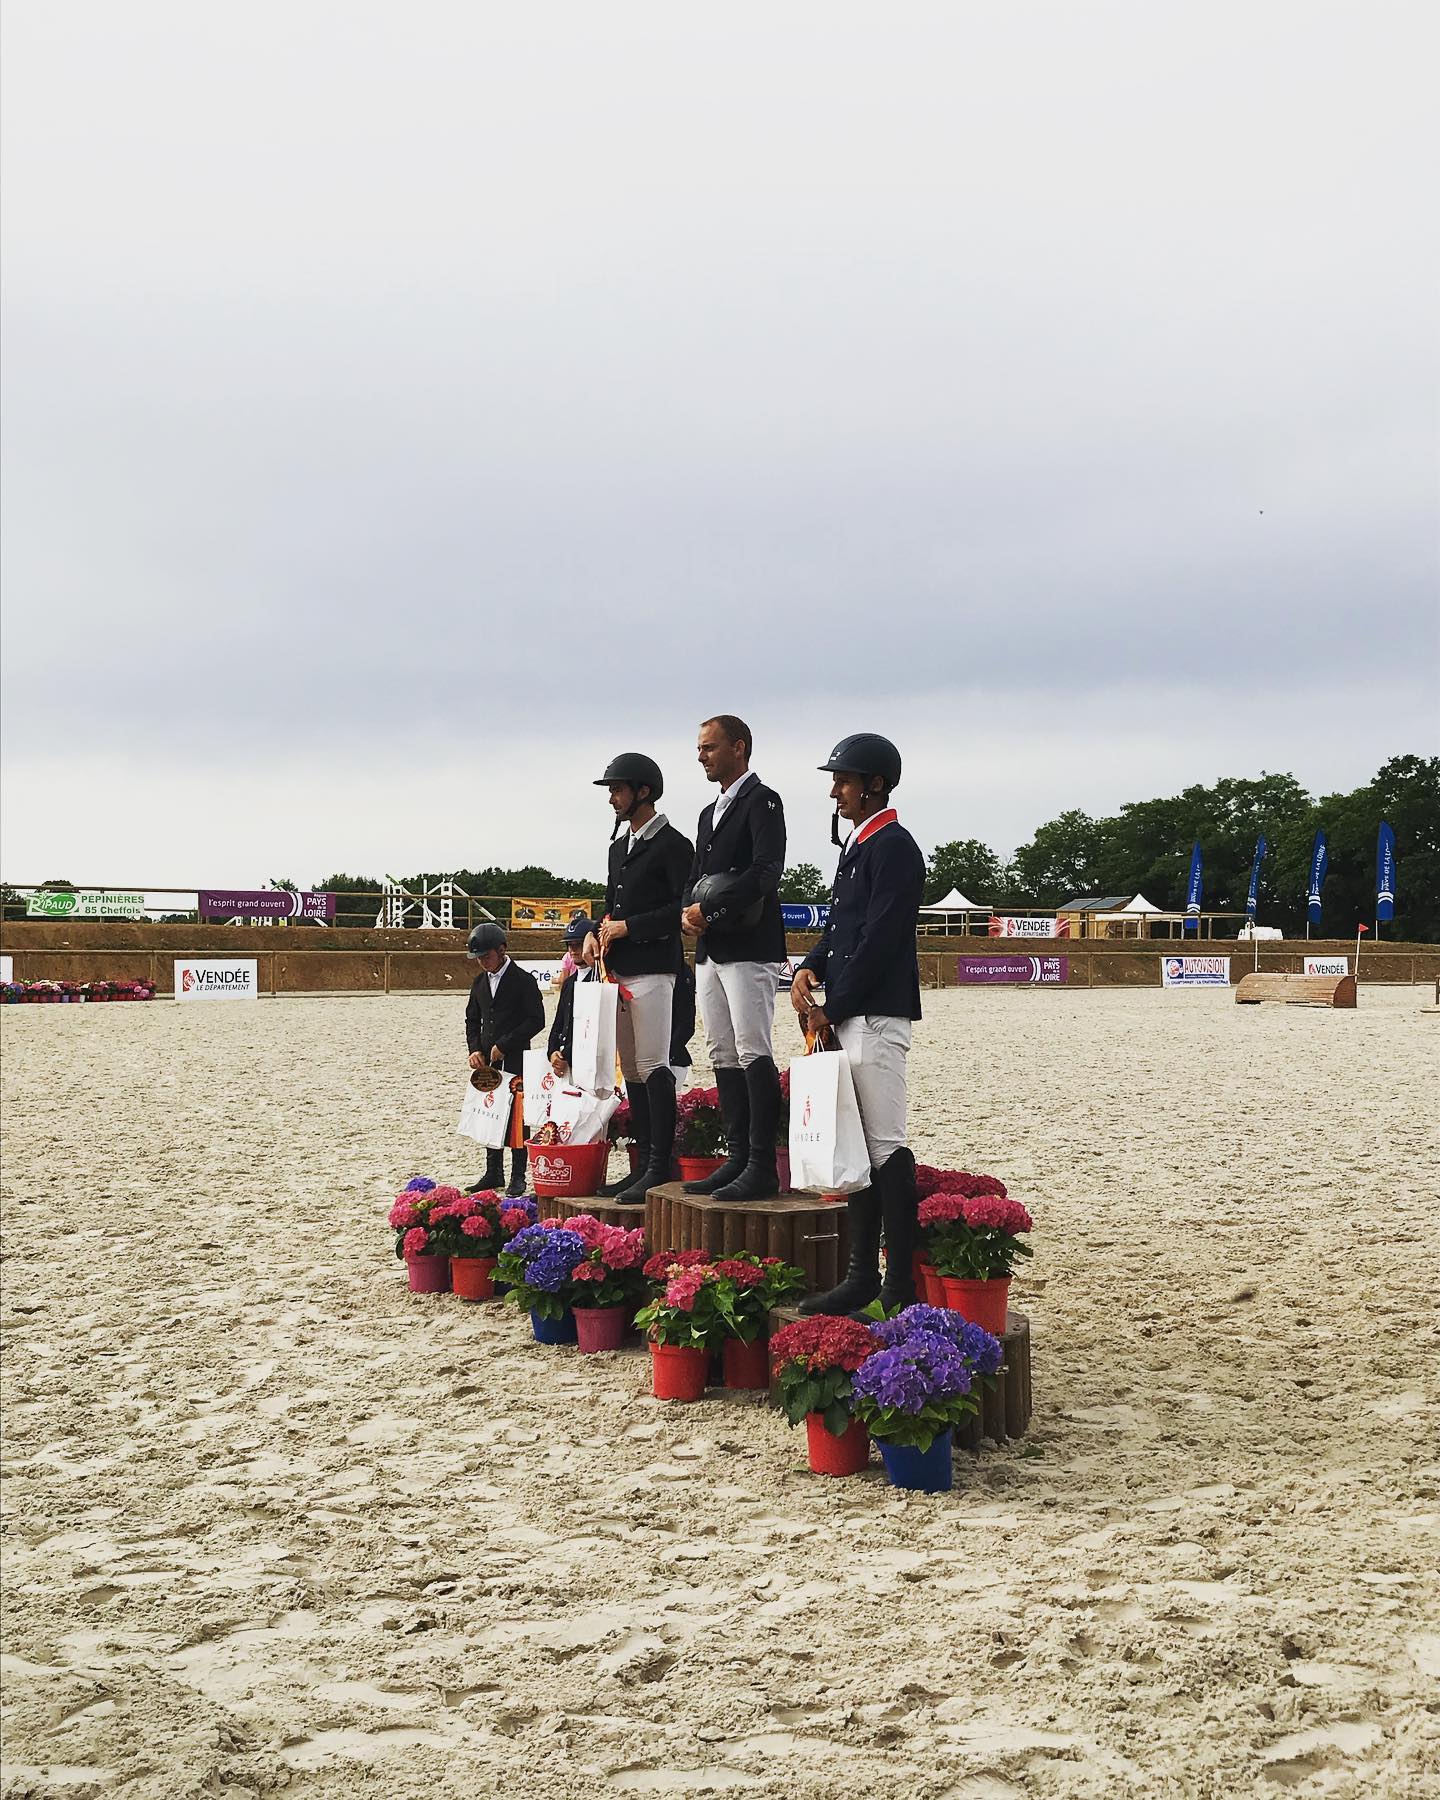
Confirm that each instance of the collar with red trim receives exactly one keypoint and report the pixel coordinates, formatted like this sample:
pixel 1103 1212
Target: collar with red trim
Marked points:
pixel 878 823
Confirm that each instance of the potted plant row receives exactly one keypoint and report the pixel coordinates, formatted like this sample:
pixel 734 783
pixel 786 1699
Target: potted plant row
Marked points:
pixel 446 1238
pixel 62 993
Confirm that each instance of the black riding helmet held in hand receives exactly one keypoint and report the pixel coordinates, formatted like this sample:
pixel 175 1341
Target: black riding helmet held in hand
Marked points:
pixel 714 891
pixel 484 937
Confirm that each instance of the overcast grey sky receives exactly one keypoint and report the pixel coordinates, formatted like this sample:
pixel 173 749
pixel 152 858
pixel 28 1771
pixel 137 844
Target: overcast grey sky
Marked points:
pixel 407 407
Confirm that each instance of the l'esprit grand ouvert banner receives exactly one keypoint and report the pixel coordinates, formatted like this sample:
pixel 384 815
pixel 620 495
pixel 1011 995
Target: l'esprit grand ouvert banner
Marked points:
pixel 51 903
pixel 265 904
pixel 529 914
pixel 796 916
pixel 217 978
pixel 1013 971
pixel 1006 926
pixel 1195 971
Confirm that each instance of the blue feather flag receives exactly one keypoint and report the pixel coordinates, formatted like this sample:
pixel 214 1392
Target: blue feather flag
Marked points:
pixel 1260 849
pixel 1192 892
pixel 1319 866
pixel 1385 872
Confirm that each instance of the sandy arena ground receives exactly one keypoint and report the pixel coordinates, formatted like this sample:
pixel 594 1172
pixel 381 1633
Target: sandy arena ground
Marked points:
pixel 277 1526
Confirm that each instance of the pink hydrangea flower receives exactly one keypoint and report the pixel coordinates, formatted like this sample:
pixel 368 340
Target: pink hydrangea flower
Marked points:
pixel 997 1213
pixel 402 1214
pixel 415 1242
pixel 475 1226
pixel 681 1292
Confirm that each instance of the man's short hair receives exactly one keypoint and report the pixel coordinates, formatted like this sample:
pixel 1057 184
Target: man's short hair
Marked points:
pixel 734 729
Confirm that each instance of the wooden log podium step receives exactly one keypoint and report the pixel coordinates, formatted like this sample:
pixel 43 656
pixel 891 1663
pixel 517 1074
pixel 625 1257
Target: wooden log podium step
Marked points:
pixel 1004 1408
pixel 1297 990
pixel 798 1228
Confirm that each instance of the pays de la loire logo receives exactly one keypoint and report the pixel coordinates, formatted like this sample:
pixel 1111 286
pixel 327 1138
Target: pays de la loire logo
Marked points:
pixel 805 1112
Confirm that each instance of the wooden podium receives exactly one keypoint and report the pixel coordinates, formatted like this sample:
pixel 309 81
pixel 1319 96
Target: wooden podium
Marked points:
pixel 812 1233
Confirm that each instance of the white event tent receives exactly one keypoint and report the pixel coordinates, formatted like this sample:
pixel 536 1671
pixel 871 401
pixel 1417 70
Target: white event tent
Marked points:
pixel 954 905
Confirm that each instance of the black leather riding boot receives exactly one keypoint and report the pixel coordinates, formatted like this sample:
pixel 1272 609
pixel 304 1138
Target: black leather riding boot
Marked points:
pixel 862 1278
pixel 519 1162
pixel 640 1136
pixel 494 1176
pixel 899 1210
pixel 660 1092
pixel 735 1112
pixel 759 1181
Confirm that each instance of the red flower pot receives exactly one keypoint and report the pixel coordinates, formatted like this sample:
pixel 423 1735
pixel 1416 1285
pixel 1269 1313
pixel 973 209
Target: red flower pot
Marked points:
pixel 601 1327
pixel 428 1274
pixel 565 1171
pixel 696 1168
pixel 931 1286
pixel 829 1455
pixel 472 1277
pixel 746 1365
pixel 782 1169
pixel 679 1372
pixel 983 1303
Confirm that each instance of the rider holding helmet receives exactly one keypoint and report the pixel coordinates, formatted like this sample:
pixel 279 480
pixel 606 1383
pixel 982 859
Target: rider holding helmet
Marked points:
pixel 503 1014
pixel 640 941
pixel 866 963
pixel 734 914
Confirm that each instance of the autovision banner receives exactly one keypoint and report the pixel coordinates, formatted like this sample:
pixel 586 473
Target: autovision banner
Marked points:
pixel 265 905
pixel 1013 971
pixel 1195 971
pixel 52 903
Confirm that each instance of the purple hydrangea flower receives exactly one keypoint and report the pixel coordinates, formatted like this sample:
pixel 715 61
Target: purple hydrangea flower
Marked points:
pixel 549 1255
pixel 922 1367
pixel 421 1184
pixel 981 1351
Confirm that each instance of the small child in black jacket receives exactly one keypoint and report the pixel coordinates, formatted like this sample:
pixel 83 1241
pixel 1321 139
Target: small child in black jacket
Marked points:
pixel 503 1014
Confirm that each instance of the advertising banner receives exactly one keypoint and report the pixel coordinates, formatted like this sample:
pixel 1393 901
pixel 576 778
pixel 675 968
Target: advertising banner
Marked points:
pixel 1002 925
pixel 55 904
pixel 803 918
pixel 265 905
pixel 1195 971
pixel 530 914
pixel 1385 873
pixel 217 978
pixel 1013 971
pixel 547 973
pixel 1194 888
pixel 1253 894
pixel 1319 867
pixel 1327 965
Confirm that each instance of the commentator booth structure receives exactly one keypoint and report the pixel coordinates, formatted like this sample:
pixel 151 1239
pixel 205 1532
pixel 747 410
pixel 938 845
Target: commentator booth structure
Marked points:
pixel 1131 916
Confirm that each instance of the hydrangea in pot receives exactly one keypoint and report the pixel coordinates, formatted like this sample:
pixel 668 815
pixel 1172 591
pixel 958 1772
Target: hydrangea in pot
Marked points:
pixel 606 1283
pixel 760 1284
pixel 473 1229
pixel 538 1263
pixel 814 1360
pixel 417 1243
pixel 690 1312
pixel 974 1244
pixel 699 1133
pixel 917 1388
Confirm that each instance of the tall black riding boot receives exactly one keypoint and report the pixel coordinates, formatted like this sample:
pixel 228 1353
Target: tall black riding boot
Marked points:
pixel 519 1162
pixel 640 1127
pixel 494 1175
pixel 660 1092
pixel 735 1112
pixel 759 1180
pixel 862 1278
pixel 899 1215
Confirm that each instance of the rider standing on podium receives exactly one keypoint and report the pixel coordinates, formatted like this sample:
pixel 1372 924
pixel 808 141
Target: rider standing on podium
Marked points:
pixel 866 963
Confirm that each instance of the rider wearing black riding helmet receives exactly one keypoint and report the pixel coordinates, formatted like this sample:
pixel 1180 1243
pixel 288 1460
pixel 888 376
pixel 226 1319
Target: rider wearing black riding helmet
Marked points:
pixel 866 963
pixel 503 1014
pixel 639 939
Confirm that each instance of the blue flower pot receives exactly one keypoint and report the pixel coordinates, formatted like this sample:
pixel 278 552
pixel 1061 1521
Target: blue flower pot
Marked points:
pixel 557 1331
pixel 926 1471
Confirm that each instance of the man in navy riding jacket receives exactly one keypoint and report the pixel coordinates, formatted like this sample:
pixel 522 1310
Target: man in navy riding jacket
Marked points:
pixel 733 912
pixel 866 963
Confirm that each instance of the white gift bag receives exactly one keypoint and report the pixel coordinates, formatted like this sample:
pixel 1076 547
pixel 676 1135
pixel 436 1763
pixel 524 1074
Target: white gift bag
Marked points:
pixel 828 1154
pixel 580 1117
pixel 540 1082
pixel 592 1056
pixel 486 1117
